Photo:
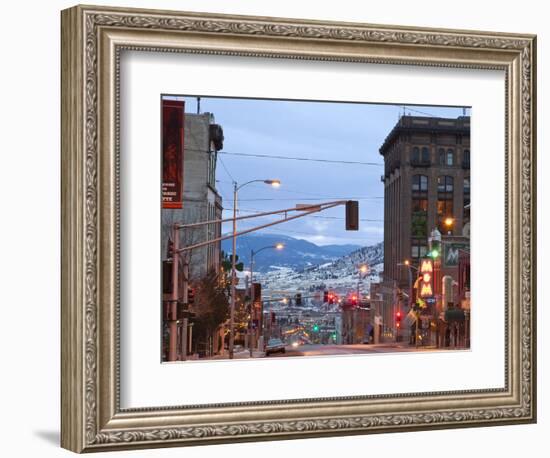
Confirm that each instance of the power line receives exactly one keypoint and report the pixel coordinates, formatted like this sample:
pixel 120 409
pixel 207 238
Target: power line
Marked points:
pixel 283 189
pixel 227 171
pixel 254 210
pixel 294 158
pixel 312 198
pixel 405 107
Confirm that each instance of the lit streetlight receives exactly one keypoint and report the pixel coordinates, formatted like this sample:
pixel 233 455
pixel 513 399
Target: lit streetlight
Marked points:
pixel 449 222
pixel 236 188
pixel 363 270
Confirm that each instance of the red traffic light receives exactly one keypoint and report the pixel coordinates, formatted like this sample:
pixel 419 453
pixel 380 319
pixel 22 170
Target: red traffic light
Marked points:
pixel 398 314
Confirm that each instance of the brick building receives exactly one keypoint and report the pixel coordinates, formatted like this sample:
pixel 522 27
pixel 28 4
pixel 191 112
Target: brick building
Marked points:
pixel 426 187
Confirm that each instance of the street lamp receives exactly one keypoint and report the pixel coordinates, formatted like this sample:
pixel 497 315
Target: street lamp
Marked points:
pixel 409 266
pixel 449 222
pixel 278 246
pixel 363 270
pixel 236 188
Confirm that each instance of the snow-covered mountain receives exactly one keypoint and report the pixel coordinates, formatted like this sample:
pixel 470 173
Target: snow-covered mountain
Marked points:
pixel 340 275
pixel 296 255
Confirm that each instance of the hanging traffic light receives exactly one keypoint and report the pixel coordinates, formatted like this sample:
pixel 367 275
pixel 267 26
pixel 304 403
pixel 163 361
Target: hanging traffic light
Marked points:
pixel 354 299
pixel 352 215
pixel 298 298
pixel 325 297
pixel 331 298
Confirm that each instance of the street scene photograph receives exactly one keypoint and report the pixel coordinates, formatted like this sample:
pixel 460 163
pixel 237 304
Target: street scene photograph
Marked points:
pixel 312 228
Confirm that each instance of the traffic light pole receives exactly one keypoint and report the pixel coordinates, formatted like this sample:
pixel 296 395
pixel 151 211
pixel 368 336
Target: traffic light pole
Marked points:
pixel 184 342
pixel 173 323
pixel 351 213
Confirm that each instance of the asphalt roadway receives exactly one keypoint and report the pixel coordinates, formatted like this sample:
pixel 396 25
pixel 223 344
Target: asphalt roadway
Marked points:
pixel 355 349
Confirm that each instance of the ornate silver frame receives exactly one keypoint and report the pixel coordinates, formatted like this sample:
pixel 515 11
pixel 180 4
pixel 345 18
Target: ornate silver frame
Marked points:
pixel 92 39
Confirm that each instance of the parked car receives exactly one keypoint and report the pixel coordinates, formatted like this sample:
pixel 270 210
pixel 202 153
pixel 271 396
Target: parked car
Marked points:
pixel 275 346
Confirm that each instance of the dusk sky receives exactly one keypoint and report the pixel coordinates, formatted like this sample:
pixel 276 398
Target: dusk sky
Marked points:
pixel 311 130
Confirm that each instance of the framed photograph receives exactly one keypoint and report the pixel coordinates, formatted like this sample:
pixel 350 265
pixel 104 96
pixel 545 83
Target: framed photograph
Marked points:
pixel 278 228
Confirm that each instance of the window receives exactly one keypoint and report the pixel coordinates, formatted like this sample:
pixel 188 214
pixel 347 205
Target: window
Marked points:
pixel 415 154
pixel 425 154
pixel 466 159
pixel 419 207
pixel 445 184
pixel 450 157
pixel 418 251
pixel 419 224
pixel 420 183
pixel 444 208
pixel 466 215
pixel 441 156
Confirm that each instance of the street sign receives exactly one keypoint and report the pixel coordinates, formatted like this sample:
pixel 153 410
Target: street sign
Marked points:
pixel 308 207
pixel 451 253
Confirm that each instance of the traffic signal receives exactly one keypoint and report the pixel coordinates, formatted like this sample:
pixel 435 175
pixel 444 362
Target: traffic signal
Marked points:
pixel 315 328
pixel 298 299
pixel 325 297
pixel 331 298
pixel 191 296
pixel 352 215
pixel 354 299
pixel 400 295
pixel 398 319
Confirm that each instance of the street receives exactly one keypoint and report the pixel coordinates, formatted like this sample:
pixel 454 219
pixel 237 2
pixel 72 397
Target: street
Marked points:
pixel 320 350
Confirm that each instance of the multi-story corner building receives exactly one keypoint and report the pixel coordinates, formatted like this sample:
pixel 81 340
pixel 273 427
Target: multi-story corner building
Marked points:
pixel 203 138
pixel 426 187
pixel 190 146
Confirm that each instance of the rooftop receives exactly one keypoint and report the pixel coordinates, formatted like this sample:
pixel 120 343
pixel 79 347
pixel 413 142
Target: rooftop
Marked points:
pixel 424 124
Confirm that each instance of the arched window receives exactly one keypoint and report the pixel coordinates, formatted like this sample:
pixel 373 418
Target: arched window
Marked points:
pixel 425 154
pixel 450 157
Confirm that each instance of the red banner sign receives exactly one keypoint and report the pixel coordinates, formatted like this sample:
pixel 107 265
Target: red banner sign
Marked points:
pixel 173 118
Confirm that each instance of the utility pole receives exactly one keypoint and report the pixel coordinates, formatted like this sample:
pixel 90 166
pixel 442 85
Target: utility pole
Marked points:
pixel 173 326
pixel 184 349
pixel 233 276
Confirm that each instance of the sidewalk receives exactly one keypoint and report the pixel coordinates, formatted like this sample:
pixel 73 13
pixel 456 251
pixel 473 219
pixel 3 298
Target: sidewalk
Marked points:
pixel 244 354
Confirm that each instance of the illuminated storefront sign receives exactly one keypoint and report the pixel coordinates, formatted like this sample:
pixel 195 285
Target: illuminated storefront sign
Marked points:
pixel 426 278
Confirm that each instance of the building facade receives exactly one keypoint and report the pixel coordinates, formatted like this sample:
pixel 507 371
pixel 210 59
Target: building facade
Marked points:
pixel 200 139
pixel 203 138
pixel 426 188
